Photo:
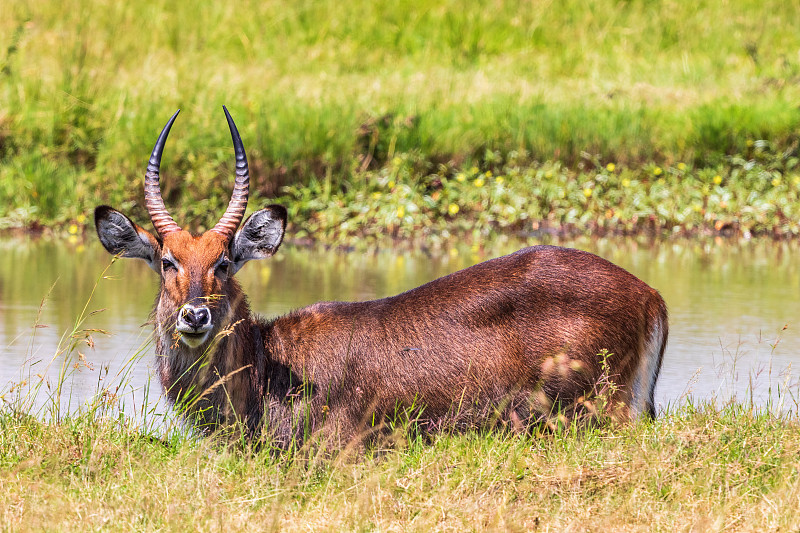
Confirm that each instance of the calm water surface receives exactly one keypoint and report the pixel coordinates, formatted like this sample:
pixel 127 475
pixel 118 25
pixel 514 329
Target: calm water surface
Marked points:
pixel 734 309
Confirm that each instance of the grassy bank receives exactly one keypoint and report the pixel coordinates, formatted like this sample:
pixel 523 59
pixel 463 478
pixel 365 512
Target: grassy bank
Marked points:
pixel 701 467
pixel 413 200
pixel 329 93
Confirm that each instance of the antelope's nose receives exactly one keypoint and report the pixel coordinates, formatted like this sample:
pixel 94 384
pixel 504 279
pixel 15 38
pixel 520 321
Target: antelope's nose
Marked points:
pixel 194 318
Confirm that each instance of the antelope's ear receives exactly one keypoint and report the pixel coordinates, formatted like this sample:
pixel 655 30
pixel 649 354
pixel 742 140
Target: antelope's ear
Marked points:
pixel 259 236
pixel 120 235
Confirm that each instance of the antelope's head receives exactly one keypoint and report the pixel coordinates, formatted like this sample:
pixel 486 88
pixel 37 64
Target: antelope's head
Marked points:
pixel 197 285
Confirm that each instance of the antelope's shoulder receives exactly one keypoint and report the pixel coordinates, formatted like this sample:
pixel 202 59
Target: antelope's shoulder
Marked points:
pixel 323 316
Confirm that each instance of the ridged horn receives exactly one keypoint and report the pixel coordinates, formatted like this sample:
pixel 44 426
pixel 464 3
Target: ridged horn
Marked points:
pixel 153 201
pixel 230 221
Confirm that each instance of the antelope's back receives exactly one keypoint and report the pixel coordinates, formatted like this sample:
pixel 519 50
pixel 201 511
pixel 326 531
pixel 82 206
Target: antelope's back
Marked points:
pixel 536 319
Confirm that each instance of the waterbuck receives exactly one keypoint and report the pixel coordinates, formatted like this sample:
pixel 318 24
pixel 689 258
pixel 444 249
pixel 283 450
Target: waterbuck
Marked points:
pixel 509 340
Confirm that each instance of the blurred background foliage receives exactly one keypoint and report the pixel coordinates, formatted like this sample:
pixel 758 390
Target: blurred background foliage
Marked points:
pixel 335 100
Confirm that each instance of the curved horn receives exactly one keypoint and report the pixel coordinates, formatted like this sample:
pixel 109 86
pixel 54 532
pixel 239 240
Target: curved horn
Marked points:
pixel 230 221
pixel 153 201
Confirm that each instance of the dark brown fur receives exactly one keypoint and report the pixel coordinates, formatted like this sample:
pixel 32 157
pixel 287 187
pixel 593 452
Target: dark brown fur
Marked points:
pixel 523 330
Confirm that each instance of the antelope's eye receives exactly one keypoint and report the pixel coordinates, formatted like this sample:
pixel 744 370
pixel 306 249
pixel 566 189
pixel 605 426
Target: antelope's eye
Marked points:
pixel 223 265
pixel 166 264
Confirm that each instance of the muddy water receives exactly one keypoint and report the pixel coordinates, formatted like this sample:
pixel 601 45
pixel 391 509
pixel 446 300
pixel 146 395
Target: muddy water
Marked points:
pixel 734 310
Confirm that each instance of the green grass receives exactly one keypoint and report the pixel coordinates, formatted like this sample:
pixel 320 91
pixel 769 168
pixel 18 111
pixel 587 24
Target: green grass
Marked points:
pixel 698 467
pixel 323 89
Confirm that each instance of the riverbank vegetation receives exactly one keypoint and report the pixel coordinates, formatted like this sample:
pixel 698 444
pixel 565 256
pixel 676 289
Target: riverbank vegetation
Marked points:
pixel 424 118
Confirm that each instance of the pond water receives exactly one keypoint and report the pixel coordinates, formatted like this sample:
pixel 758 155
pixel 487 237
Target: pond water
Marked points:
pixel 734 309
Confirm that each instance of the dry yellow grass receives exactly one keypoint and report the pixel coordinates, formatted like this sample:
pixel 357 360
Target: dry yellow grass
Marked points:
pixel 697 469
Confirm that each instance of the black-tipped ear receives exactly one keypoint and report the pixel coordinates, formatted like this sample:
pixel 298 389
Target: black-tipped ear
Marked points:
pixel 120 235
pixel 259 237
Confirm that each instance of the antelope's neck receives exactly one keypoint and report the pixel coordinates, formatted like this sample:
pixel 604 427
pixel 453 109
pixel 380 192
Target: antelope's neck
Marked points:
pixel 220 381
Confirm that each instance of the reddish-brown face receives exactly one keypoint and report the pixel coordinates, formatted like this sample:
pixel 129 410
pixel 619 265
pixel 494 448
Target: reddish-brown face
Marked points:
pixel 197 288
pixel 195 275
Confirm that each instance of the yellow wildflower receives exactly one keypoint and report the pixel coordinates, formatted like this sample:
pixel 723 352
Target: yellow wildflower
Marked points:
pixel 401 212
pixel 265 273
pixel 587 192
pixel 681 166
pixel 488 174
pixel 391 184
pixel 478 182
pixel 452 209
pixel 626 182
pixel 81 218
pixel 73 229
pixel 776 182
pixel 717 179
pixel 657 171
pixel 499 180
pixel 610 167
pixel 460 177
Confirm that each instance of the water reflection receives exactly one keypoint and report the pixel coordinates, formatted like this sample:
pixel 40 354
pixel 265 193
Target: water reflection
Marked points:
pixel 728 302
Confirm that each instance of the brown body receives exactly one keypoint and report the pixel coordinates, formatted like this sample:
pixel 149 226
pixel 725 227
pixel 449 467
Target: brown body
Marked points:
pixel 516 337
